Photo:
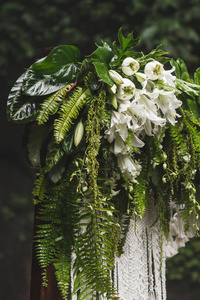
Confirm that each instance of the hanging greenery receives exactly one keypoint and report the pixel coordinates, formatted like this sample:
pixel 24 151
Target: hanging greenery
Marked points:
pixel 108 137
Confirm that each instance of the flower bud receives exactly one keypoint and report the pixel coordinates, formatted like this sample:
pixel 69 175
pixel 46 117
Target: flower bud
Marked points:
pixel 140 76
pixel 116 77
pixel 112 89
pixel 79 131
pixel 130 66
pixel 113 100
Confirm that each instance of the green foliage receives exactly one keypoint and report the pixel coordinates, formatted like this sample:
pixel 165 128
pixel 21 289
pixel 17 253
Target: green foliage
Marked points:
pixel 69 110
pixel 85 188
pixel 51 104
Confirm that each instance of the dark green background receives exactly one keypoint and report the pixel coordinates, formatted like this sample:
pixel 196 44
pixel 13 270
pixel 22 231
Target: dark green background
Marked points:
pixel 27 27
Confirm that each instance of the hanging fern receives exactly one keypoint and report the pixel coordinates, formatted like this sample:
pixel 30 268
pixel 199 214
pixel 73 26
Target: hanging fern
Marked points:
pixel 40 190
pixel 70 110
pixel 55 237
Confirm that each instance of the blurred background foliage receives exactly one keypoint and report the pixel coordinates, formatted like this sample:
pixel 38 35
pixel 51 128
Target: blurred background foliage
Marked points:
pixel 27 27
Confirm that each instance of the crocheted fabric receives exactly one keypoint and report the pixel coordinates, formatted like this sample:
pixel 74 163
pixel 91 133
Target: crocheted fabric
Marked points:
pixel 139 273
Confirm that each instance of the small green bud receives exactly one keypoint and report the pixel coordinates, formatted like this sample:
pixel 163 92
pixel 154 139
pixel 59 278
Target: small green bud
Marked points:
pixel 84 189
pixel 79 131
pixel 164 166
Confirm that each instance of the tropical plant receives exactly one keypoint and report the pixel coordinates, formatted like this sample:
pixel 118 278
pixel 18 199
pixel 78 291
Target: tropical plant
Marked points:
pixel 108 137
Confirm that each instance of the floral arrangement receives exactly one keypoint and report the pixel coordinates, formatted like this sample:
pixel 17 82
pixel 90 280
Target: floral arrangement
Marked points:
pixel 108 136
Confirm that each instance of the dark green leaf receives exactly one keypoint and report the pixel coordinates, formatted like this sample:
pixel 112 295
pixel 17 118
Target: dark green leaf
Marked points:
pixel 21 108
pixel 102 71
pixel 61 64
pixel 39 85
pixel 104 53
pixel 129 42
pixel 197 76
pixel 194 108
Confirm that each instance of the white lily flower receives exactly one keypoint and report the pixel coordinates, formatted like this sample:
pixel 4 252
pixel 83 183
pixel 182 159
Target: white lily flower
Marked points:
pixel 130 66
pixel 126 90
pixel 168 78
pixel 119 124
pixel 150 111
pixel 128 166
pixel 116 77
pixel 167 103
pixel 154 70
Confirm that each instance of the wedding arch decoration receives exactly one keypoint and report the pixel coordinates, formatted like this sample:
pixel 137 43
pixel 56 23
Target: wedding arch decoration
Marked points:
pixel 115 141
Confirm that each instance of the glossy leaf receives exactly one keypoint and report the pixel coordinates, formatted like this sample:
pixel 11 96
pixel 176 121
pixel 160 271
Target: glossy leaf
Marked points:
pixel 39 85
pixel 104 53
pixel 61 64
pixel 32 142
pixel 102 71
pixel 21 108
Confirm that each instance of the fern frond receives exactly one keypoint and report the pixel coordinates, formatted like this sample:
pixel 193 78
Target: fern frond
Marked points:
pixel 56 234
pixel 95 257
pixel 51 104
pixel 63 266
pixel 69 110
pixel 40 188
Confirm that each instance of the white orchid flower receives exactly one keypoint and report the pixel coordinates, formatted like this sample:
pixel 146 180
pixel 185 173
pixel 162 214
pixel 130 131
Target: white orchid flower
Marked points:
pixel 130 66
pixel 126 90
pixel 116 77
pixel 154 70
pixel 128 166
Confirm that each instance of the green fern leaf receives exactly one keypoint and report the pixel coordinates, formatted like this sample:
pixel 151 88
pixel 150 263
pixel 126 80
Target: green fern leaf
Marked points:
pixel 69 111
pixel 40 188
pixel 51 104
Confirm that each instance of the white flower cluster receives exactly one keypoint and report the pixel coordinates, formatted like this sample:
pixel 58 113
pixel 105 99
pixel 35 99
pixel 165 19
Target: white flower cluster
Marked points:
pixel 141 111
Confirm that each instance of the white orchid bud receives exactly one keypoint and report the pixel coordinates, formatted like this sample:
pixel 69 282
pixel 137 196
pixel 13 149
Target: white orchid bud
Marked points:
pixel 116 77
pixel 140 76
pixel 126 90
pixel 113 100
pixel 154 70
pixel 130 66
pixel 112 89
pixel 79 131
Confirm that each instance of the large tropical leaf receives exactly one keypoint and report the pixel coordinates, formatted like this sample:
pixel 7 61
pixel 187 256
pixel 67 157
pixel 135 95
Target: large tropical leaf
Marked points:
pixel 21 108
pixel 35 84
pixel 61 64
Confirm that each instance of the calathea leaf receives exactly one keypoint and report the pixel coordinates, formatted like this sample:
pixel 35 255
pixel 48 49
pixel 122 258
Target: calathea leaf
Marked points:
pixel 21 108
pixel 61 64
pixel 32 142
pixel 39 85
